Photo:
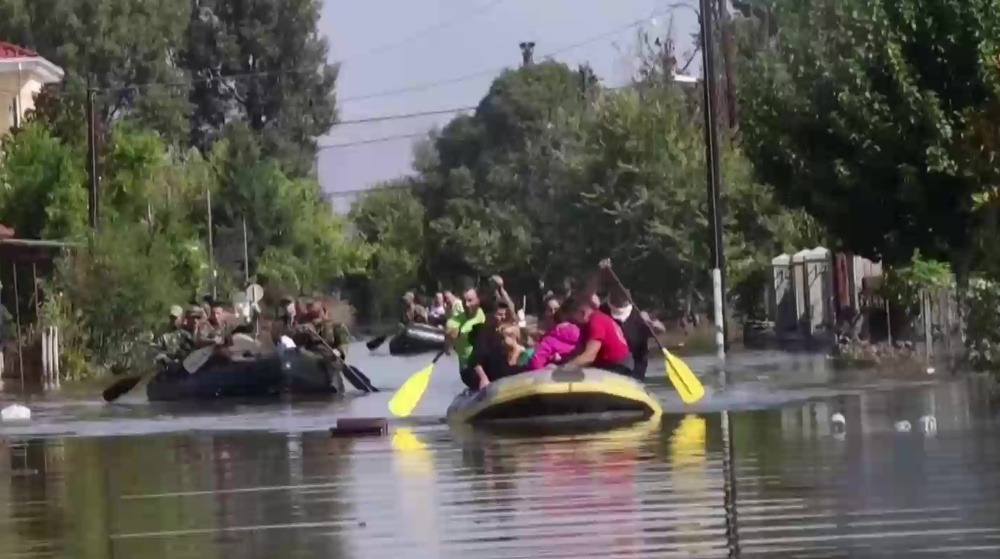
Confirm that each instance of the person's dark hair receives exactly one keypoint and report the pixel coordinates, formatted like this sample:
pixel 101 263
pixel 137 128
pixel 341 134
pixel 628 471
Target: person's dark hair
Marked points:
pixel 574 302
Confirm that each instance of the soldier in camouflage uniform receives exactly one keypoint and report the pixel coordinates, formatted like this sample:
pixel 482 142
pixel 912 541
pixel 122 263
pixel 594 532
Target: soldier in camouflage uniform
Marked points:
pixel 168 342
pixel 318 334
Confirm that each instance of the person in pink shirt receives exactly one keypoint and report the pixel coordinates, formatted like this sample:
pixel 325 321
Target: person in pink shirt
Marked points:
pixel 555 345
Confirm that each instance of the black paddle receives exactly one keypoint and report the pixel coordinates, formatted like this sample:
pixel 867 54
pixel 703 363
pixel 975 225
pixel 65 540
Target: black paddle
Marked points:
pixel 376 342
pixel 192 363
pixel 351 373
pixel 121 387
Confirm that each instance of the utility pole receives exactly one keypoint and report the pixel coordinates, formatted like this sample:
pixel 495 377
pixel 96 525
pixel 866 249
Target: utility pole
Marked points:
pixel 92 179
pixel 246 255
pixel 714 177
pixel 728 56
pixel 211 246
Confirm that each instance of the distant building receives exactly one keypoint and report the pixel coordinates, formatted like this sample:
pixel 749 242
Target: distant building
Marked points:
pixel 22 75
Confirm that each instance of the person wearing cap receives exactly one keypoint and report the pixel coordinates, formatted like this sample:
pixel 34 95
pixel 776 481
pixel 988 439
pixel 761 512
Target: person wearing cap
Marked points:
pixel 413 312
pixel 169 340
pixel 316 333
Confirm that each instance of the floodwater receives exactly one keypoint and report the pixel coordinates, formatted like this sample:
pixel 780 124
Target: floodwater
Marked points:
pixel 759 468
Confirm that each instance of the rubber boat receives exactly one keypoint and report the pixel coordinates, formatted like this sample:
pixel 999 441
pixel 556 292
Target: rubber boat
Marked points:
pixel 417 338
pixel 556 395
pixel 260 376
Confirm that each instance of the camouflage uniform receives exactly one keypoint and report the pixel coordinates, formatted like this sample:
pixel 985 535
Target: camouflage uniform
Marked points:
pixel 335 336
pixel 169 344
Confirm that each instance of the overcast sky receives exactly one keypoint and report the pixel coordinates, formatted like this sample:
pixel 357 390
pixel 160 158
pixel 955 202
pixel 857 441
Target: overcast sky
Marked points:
pixel 390 45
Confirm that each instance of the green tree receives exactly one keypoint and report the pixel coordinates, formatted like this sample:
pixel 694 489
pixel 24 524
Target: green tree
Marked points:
pixel 119 45
pixel 390 220
pixel 42 194
pixel 114 322
pixel 870 116
pixel 289 99
pixel 293 236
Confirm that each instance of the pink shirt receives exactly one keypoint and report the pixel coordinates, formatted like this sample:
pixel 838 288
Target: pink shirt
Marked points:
pixel 561 340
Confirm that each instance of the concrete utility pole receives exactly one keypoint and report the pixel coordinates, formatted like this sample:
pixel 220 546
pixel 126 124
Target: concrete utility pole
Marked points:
pixel 714 178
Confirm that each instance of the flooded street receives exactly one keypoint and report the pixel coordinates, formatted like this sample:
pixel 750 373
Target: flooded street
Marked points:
pixel 914 471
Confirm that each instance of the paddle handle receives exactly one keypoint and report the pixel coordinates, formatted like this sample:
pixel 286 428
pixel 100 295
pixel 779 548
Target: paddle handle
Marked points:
pixel 438 356
pixel 624 291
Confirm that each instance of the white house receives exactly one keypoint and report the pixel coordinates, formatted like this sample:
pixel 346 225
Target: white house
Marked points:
pixel 22 75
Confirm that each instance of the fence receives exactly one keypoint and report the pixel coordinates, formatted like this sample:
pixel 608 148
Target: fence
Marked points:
pixel 816 294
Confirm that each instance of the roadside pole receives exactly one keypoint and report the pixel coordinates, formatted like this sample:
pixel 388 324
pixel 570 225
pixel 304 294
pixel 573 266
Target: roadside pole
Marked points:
pixel 714 177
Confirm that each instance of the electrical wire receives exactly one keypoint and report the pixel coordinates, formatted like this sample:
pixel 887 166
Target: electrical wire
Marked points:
pixel 371 141
pixel 402 116
pixel 427 30
pixel 497 69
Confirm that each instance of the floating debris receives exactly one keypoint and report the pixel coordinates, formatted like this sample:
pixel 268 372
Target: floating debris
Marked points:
pixel 929 424
pixel 15 412
pixel 360 427
pixel 903 426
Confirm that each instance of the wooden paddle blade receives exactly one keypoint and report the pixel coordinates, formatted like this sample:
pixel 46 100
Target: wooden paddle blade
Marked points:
pixel 120 387
pixel 685 383
pixel 374 343
pixel 408 395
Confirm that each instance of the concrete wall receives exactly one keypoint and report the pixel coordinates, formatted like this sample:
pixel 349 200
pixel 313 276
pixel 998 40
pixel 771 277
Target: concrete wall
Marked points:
pixel 17 97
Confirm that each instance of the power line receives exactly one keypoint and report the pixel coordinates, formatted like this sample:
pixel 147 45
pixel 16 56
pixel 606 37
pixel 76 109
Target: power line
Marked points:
pixel 427 30
pixel 385 93
pixel 371 141
pixel 497 69
pixel 405 115
pixel 369 190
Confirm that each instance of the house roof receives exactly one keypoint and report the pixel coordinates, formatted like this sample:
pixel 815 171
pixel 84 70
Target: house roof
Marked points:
pixel 13 57
pixel 8 50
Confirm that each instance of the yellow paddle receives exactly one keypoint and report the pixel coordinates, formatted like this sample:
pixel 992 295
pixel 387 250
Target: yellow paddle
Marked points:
pixel 408 395
pixel 685 383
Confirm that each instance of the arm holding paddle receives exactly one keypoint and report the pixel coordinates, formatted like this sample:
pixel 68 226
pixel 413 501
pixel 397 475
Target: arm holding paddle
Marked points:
pixel 683 379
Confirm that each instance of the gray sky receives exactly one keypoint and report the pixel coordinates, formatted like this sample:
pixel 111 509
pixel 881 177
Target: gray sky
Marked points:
pixel 388 45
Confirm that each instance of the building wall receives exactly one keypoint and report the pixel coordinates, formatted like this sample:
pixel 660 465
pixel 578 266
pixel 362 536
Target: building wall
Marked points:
pixel 17 93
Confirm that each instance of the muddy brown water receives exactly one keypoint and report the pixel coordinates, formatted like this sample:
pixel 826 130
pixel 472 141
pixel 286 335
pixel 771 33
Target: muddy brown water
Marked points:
pixel 916 472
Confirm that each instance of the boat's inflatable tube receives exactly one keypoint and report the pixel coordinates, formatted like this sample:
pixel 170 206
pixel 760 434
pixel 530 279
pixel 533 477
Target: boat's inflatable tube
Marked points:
pixel 555 393
pixel 417 338
pixel 267 376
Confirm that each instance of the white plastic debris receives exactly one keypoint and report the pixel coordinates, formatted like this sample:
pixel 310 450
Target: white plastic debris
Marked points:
pixel 839 427
pixel 15 412
pixel 903 426
pixel 930 370
pixel 929 424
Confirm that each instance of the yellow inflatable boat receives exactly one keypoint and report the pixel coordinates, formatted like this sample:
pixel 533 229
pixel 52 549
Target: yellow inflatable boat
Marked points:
pixel 556 394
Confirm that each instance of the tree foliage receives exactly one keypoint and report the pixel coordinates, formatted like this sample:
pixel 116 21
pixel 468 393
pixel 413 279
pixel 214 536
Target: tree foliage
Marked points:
pixel 389 219
pixel 286 95
pixel 878 118
pixel 554 172
pixel 41 194
pixel 186 69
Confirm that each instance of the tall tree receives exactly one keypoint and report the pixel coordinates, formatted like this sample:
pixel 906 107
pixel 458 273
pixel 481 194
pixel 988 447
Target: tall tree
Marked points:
pixel 872 116
pixel 261 62
pixel 115 46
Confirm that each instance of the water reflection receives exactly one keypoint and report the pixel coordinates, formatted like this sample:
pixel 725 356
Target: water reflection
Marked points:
pixel 806 487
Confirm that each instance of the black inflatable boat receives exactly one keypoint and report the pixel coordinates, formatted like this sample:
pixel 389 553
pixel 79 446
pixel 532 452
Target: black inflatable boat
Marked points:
pixel 295 372
pixel 417 338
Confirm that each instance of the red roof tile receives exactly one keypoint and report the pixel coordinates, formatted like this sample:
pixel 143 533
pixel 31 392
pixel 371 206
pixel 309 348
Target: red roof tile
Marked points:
pixel 8 50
